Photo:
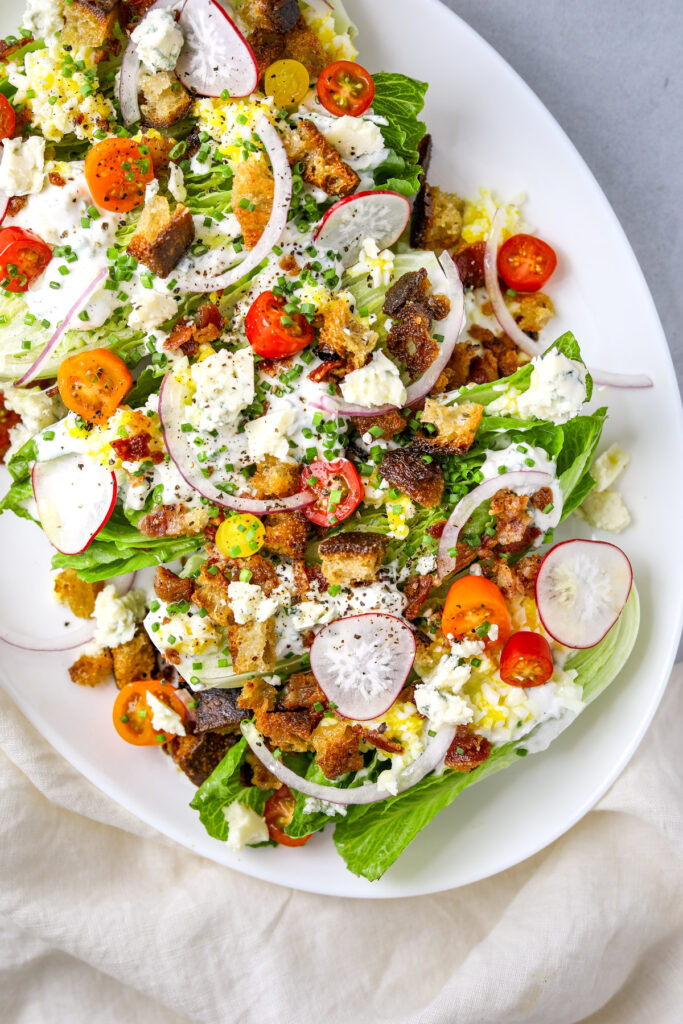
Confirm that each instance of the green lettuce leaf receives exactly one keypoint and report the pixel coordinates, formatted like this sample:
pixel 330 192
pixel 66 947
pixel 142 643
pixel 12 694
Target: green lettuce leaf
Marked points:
pixel 222 788
pixel 400 100
pixel 21 491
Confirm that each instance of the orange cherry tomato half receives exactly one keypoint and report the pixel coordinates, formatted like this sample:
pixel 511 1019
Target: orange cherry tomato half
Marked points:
pixel 525 263
pixel 338 489
pixel 23 257
pixel 8 118
pixel 345 88
pixel 273 332
pixel 92 384
pixel 133 717
pixel 526 660
pixel 472 606
pixel 117 174
pixel 279 811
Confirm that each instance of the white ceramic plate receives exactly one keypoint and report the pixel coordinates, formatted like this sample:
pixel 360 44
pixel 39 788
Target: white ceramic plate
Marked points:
pixel 488 129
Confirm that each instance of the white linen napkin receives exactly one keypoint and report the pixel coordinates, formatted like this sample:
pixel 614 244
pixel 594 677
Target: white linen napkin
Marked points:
pixel 104 921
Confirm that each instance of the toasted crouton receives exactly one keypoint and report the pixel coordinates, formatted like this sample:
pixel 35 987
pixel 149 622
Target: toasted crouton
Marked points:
pixel 286 534
pixel 257 693
pixel 88 24
pixel 217 709
pixel 301 691
pixel 322 165
pixel 289 730
pixel 252 198
pixel 532 311
pixel 275 479
pixel 159 147
pixel 174 521
pixel 134 660
pixel 260 776
pixel 165 100
pixel 272 15
pixel 211 593
pixel 91 669
pixel 389 423
pixel 198 756
pixel 437 220
pixel 456 427
pixel 406 469
pixel 169 587
pixel 253 646
pixel 353 557
pixel 302 44
pixel 336 748
pixel 343 333
pixel 72 590
pixel 162 237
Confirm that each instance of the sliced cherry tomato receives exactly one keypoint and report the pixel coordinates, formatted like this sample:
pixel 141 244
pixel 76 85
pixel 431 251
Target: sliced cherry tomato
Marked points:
pixel 118 174
pixel 23 258
pixel 273 332
pixel 279 811
pixel 525 263
pixel 133 717
pixel 93 384
pixel 526 660
pixel 473 605
pixel 8 118
pixel 287 81
pixel 345 88
pixel 338 488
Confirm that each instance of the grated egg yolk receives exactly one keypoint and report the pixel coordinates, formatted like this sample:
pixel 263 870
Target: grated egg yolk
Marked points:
pixel 337 46
pixel 231 122
pixel 479 213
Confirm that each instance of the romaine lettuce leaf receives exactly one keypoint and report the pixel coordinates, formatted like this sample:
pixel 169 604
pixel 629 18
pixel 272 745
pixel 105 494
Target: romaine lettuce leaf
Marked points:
pixel 222 788
pixel 399 99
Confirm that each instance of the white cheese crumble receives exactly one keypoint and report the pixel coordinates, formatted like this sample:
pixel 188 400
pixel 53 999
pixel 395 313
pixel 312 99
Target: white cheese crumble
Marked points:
pixel 116 617
pixel 354 139
pixel 159 40
pixel 151 308
pixel 556 391
pixel 314 806
pixel 249 603
pixel 438 696
pixel 164 718
pixel 37 409
pixel 23 166
pixel 246 827
pixel 606 510
pixel 44 19
pixel 224 386
pixel 378 383
pixel 269 434
pixel 609 466
pixel 176 183
pixel 377 265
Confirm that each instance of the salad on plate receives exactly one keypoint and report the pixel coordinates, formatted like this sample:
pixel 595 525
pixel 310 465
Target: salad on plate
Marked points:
pixel 295 422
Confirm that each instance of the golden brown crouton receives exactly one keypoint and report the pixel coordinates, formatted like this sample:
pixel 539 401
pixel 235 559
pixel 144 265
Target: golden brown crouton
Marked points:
pixel 257 693
pixel 286 534
pixel 159 147
pixel 174 521
pixel 437 220
pixel 409 340
pixel 162 237
pixel 260 776
pixel 198 756
pixel 211 593
pixel 275 479
pixel 301 691
pixel 91 669
pixel 261 572
pixel 353 557
pixel 252 646
pixel 390 424
pixel 532 311
pixel 252 198
pixel 88 24
pixel 169 587
pixel 165 100
pixel 273 15
pixel 343 333
pixel 336 748
pixel 406 469
pixel 322 165
pixel 217 709
pixel 289 730
pixel 456 427
pixel 302 44
pixel 72 590
pixel 134 660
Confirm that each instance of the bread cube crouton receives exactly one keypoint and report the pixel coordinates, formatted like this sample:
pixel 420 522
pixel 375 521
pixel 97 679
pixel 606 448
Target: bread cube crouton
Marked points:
pixel 252 198
pixel 91 669
pixel 80 596
pixel 134 660
pixel 532 311
pixel 286 534
pixel 437 220
pixel 336 748
pixel 252 646
pixel 198 756
pixel 260 776
pixel 406 469
pixel 162 237
pixel 349 558
pixel 289 730
pixel 272 15
pixel 164 101
pixel 322 165
pixel 275 479
pixel 344 334
pixel 174 521
pixel 88 23
pixel 169 587
pixel 257 693
pixel 302 44
pixel 456 427
pixel 211 593
pixel 217 709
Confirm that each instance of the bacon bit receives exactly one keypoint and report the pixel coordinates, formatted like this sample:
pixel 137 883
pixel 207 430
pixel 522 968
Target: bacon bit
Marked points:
pixel 325 370
pixel 436 529
pixel 7 49
pixel 209 323
pixel 417 591
pixel 375 737
pixel 56 179
pixel 16 205
pixel 8 419
pixel 180 335
pixel 172 655
pixel 289 265
pixel 274 367
pixel 467 751
pixel 136 448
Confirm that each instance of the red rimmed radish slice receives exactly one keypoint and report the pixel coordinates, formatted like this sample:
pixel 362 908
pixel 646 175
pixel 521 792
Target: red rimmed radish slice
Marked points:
pixel 361 663
pixel 381 215
pixel 75 496
pixel 581 588
pixel 215 56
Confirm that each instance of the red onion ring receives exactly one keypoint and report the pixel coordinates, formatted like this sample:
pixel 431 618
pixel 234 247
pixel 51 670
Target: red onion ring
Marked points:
pixel 430 758
pixel 605 378
pixel 466 506
pixel 502 313
pixel 130 72
pixel 4 203
pixel 61 330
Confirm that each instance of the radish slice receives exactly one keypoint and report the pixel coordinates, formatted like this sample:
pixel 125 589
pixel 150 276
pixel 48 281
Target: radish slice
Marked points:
pixel 174 396
pixel 380 214
pixel 450 328
pixel 75 496
pixel 369 793
pixel 361 663
pixel 130 72
pixel 502 313
pixel 581 588
pixel 32 371
pixel 204 273
pixel 215 56
pixel 529 480
pixel 605 378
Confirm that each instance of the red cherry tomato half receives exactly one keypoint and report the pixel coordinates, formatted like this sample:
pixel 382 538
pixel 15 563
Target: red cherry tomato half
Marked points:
pixel 526 660
pixel 525 263
pixel 338 489
pixel 345 88
pixel 279 811
pixel 273 332
pixel 8 118
pixel 23 257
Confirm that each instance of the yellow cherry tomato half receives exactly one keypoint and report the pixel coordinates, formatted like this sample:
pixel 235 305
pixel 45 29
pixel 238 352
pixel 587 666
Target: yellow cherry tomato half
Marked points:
pixel 287 81
pixel 240 536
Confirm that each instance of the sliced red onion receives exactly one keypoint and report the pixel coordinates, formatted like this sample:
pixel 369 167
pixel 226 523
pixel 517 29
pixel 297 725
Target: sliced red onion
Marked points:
pixel 370 793
pixel 124 584
pixel 485 490
pixel 4 203
pixel 204 274
pixel 604 378
pixel 32 371
pixel 450 328
pixel 502 313
pixel 216 56
pixel 361 663
pixel 80 632
pixel 173 399
pixel 130 73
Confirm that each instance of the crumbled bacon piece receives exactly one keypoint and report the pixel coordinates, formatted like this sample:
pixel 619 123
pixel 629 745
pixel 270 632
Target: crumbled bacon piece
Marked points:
pixel 417 591
pixel 136 448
